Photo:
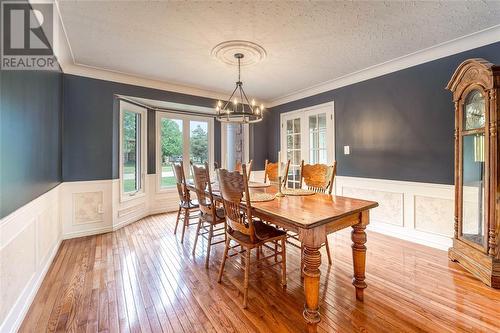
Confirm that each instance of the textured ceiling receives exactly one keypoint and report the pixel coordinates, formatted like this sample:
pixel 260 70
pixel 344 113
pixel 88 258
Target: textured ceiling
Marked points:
pixel 307 43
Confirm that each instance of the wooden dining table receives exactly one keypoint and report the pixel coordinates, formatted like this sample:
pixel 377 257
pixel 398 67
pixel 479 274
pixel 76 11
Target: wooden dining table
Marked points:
pixel 313 217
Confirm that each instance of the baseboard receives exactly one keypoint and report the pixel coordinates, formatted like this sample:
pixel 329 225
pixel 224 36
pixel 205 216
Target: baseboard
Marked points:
pixel 87 232
pixel 15 317
pixel 412 235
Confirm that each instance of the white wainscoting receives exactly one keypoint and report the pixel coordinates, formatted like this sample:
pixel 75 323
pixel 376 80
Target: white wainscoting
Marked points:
pixel 29 240
pixel 417 212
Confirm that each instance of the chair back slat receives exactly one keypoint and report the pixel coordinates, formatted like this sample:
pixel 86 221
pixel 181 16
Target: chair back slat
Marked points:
pixel 180 180
pixel 201 179
pixel 271 172
pixel 318 177
pixel 232 186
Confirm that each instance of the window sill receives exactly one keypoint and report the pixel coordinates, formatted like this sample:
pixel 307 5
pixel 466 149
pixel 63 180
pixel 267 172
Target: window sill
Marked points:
pixel 129 197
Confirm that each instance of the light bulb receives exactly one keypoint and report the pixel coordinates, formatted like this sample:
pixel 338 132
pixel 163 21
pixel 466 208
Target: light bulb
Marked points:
pixel 262 106
pixel 219 104
pixel 235 101
pixel 217 108
pixel 257 111
pixel 253 102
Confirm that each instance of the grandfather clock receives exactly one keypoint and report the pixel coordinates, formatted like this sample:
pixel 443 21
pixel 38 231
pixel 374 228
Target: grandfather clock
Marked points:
pixel 476 86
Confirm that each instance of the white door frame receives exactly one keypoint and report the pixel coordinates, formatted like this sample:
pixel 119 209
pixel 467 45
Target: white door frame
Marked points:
pixel 304 114
pixel 246 142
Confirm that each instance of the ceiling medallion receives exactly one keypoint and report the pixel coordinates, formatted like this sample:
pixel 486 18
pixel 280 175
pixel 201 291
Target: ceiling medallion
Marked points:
pixel 237 108
pixel 252 53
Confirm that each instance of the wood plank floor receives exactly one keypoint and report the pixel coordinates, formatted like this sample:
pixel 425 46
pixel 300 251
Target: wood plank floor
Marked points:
pixel 142 279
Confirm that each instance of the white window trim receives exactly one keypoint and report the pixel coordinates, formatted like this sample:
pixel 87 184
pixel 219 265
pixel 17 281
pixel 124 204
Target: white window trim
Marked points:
pixel 246 142
pixel 185 142
pixel 303 114
pixel 143 151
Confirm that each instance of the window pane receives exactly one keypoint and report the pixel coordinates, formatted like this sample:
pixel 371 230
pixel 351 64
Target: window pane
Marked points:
pixel 322 139
pixel 198 142
pixel 312 123
pixel 322 120
pixel 130 149
pixel 296 125
pixel 171 149
pixel 289 126
pixel 322 156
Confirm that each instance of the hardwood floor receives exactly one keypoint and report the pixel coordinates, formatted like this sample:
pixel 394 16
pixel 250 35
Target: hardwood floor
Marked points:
pixel 140 278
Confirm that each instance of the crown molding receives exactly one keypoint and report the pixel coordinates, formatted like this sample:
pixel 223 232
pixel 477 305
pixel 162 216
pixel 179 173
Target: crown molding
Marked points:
pixel 454 46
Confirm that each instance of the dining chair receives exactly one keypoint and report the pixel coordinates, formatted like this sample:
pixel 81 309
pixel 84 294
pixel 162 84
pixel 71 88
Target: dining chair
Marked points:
pixel 186 205
pixel 271 172
pixel 239 165
pixel 318 178
pixel 243 229
pixel 212 218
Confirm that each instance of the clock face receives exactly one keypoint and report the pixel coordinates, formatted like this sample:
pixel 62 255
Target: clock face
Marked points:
pixel 474 110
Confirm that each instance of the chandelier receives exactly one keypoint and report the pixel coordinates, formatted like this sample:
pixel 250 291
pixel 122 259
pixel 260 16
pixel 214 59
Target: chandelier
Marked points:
pixel 238 109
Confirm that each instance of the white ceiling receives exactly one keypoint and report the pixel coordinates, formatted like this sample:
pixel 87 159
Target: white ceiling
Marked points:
pixel 307 43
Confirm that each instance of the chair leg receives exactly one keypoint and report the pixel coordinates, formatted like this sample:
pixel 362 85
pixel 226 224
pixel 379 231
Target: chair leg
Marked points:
pixel 186 222
pixel 283 262
pixel 327 247
pixel 177 220
pixel 247 273
pixel 275 251
pixel 226 249
pixel 197 234
pixel 210 235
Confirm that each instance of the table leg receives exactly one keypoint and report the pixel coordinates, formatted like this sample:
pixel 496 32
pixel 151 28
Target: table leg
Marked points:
pixel 358 236
pixel 311 240
pixel 312 262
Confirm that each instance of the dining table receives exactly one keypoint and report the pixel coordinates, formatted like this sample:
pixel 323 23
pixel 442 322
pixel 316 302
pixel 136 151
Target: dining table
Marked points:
pixel 313 217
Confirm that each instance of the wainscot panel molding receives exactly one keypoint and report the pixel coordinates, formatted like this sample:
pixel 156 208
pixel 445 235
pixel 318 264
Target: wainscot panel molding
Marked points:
pixel 413 211
pixel 29 240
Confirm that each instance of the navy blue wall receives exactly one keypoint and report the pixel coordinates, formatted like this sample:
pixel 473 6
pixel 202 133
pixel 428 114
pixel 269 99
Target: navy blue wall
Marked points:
pixel 30 136
pixel 91 120
pixel 399 126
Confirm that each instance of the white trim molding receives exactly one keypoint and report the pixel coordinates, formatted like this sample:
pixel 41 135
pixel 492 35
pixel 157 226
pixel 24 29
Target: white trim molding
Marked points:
pixel 481 38
pixel 413 211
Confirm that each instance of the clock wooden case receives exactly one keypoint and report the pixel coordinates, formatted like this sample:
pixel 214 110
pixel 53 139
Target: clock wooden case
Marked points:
pixel 475 87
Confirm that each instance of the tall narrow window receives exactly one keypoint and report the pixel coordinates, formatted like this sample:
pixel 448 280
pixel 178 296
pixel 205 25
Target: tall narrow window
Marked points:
pixel 198 141
pixel 132 148
pixel 171 148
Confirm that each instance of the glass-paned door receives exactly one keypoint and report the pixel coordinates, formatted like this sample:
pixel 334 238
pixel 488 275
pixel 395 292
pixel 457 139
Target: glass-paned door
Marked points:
pixel 307 135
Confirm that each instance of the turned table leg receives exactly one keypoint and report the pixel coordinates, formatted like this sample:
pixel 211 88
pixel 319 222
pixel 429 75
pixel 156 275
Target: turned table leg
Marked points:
pixel 311 242
pixel 358 236
pixel 312 261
